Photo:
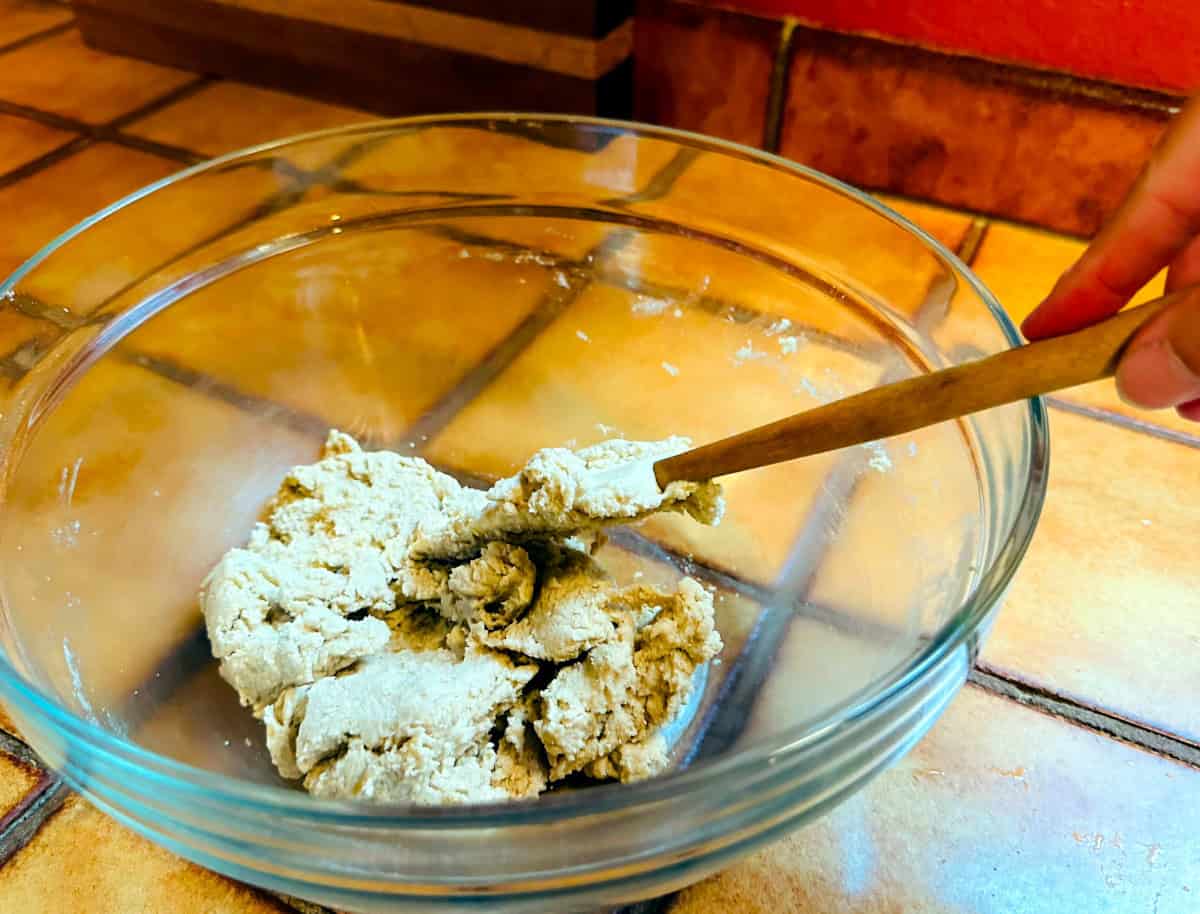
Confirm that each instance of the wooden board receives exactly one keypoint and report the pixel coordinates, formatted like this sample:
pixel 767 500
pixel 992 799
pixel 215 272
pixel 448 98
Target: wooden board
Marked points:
pixel 390 57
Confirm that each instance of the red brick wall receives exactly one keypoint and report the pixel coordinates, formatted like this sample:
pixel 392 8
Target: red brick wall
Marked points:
pixel 1150 43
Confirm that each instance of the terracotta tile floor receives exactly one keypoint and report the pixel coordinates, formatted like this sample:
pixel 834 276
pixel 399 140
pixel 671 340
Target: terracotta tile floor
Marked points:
pixel 64 76
pixel 82 860
pixel 21 19
pixel 228 115
pixel 54 199
pixel 1105 608
pixel 1002 808
pixel 23 140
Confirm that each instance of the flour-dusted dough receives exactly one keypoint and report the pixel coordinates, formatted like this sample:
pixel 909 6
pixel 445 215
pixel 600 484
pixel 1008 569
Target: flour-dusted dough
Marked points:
pixel 560 493
pixel 601 716
pixel 405 639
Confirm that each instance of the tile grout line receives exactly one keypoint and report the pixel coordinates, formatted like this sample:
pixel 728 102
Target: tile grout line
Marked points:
pixel 972 241
pixel 20 751
pixel 777 89
pixel 554 303
pixel 152 147
pixel 37 36
pixel 662 181
pixel 179 93
pixel 25 821
pixel 40 784
pixel 111 131
pixel 1120 420
pixel 48 118
pixel 46 160
pixel 964 210
pixel 1099 721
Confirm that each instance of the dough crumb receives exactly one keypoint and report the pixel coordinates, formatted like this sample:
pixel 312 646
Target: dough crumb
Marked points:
pixel 404 639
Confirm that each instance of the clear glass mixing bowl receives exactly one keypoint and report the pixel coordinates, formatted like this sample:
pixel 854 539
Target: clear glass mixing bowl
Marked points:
pixel 470 289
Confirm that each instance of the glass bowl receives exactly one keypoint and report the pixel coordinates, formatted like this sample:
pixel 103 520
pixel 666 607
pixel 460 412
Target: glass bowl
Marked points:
pixel 470 289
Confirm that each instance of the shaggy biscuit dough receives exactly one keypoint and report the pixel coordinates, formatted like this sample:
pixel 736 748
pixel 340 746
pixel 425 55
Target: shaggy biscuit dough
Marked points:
pixel 560 493
pixel 408 640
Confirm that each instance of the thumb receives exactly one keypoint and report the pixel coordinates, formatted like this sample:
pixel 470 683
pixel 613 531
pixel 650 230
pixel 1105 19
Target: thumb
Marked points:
pixel 1162 365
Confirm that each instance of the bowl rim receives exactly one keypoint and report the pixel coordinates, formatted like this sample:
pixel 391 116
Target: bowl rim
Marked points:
pixel 605 798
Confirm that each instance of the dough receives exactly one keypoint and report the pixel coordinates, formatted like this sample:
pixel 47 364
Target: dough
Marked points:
pixel 408 640
pixel 560 493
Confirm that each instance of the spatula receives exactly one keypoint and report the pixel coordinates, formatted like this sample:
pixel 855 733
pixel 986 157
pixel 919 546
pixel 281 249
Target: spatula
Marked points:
pixel 893 409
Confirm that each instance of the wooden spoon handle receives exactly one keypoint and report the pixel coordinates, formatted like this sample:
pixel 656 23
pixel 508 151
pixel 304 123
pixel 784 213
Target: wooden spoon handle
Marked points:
pixel 1015 374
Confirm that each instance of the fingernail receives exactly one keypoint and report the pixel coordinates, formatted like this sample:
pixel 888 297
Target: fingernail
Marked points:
pixel 1153 376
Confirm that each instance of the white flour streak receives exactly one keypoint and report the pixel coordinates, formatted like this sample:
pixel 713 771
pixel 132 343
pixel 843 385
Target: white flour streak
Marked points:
pixel 77 681
pixel 646 305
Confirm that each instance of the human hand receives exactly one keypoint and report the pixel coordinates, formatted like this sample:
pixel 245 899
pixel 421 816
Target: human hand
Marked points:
pixel 1156 226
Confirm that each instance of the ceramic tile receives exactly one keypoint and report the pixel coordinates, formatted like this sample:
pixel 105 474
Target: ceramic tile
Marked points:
pixel 139 249
pixel 42 206
pixel 815 228
pixel 23 141
pixel 568 162
pixel 965 133
pixel 127 495
pixel 232 115
pixel 622 363
pixel 363 332
pixel 1020 266
pixel 777 307
pixel 82 860
pixel 409 171
pixel 704 69
pixel 22 18
pixel 946 225
pixel 1000 808
pixel 64 76
pixel 1105 604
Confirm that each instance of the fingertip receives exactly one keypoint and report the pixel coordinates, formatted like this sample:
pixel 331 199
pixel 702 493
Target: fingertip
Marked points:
pixel 1033 326
pixel 1152 376
pixel 1189 411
